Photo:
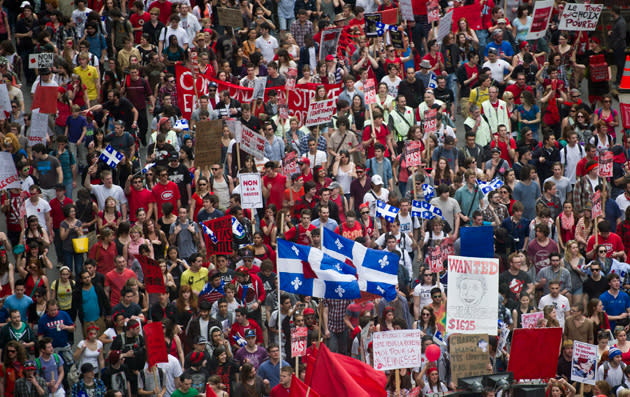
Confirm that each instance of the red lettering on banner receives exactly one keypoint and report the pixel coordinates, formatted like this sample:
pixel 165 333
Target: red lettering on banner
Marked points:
pixel 462 325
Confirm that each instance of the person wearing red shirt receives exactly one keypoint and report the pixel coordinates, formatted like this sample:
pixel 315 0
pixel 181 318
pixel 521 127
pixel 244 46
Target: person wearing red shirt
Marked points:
pixel 591 155
pixel 308 200
pixel 608 239
pixel 273 185
pixel 115 279
pixel 359 17
pixel 517 88
pixel 301 233
pixel 56 213
pixel 241 325
pixel 165 7
pixel 138 197
pixel 305 169
pixel 351 229
pixel 138 19
pixel 370 138
pixel 282 389
pixel 165 191
pixel 505 143
pixel 104 251
pixel 435 57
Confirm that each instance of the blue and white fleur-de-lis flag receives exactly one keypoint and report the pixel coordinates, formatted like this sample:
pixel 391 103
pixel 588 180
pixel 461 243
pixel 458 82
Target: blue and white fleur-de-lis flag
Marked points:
pixel 382 27
pixel 182 124
pixel 386 211
pixel 111 156
pixel 377 270
pixel 147 167
pixel 433 81
pixel 424 210
pixel 210 233
pixel 428 191
pixel 309 271
pixel 487 187
pixel 237 228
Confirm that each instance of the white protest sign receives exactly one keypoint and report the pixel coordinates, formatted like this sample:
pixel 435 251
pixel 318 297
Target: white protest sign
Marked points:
pixel 259 87
pixel 252 143
pixel 39 128
pixel 397 349
pixel 530 320
pixel 406 10
pixel 328 42
pixel 236 128
pixel 291 78
pixel 540 19
pixel 251 190
pixel 320 112
pixel 369 89
pixel 580 17
pixel 41 60
pixel 5 101
pixel 413 154
pixel 8 173
pixel 298 341
pixel 473 300
pixel 583 363
pixel 444 27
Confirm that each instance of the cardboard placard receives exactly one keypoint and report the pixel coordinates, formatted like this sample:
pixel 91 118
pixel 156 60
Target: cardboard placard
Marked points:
pixel 231 17
pixel 207 139
pixel 397 349
pixel 328 42
pixel 530 320
pixel 39 128
pixel 251 190
pixel 369 89
pixel 469 355
pixel 236 128
pixel 583 363
pixel 252 143
pixel 298 341
pixel 370 24
pixel 606 164
pixel 406 10
pixel 8 173
pixel 433 11
pixel 413 154
pixel 41 60
pixel 540 19
pixel 445 25
pixel 290 165
pixel 596 208
pixel 259 87
pixel 291 78
pixel 222 228
pixel 396 39
pixel 321 112
pixel 435 259
pixel 580 17
pixel 429 123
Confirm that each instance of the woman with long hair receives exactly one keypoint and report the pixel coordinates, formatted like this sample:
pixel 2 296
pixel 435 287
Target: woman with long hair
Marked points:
pixel 61 290
pixel 523 307
pixel 35 232
pixel 386 322
pixel 565 225
pixel 442 174
pixel 559 388
pixel 156 237
pixel 521 24
pixel 7 275
pixel 433 383
pixel 528 113
pixel 574 262
pixel 140 296
pixel 173 53
pixel 136 239
pixel 13 364
pixel 608 115
pixel 596 313
pixel 36 310
pixel 584 228
pixel 622 344
pixel 186 305
pixel 551 316
pixel 464 28
pixel 169 281
pixel 269 226
pixel 263 250
pixel 34 276
pixel 109 216
pixel 250 385
pixel 69 229
pixel 90 350
pixel 173 343
pixel 167 219
pixel 116 327
pixel 344 169
pixel 196 203
pixel 426 323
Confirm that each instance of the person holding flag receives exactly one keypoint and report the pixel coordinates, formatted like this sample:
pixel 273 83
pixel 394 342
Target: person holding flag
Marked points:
pixel 250 292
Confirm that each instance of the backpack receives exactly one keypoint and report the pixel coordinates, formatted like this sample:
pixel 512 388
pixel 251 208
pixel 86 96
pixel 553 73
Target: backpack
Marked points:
pixel 38 362
pixel 565 153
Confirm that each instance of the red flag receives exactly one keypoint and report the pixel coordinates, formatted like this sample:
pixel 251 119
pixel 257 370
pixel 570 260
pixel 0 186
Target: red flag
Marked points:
pixel 625 115
pixel 210 392
pixel 390 16
pixel 153 279
pixel 45 99
pixel 339 375
pixel 471 13
pixel 535 360
pixel 301 389
pixel 154 341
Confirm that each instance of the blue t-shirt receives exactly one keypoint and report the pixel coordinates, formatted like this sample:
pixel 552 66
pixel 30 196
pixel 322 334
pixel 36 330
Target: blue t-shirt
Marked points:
pixel 615 306
pixel 47 326
pixel 13 303
pixel 91 309
pixel 505 48
pixel 75 127
pixel 49 369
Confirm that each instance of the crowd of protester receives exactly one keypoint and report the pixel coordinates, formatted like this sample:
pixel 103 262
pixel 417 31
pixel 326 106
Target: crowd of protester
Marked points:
pixel 536 115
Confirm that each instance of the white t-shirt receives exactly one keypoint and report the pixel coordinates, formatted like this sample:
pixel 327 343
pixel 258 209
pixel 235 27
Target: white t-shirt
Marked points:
pixel 90 356
pixel 102 193
pixel 172 369
pixel 39 210
pixel 497 69
pixel 573 156
pixel 267 47
pixel 424 292
pixel 317 159
pixel 182 36
pixel 561 303
pixel 408 223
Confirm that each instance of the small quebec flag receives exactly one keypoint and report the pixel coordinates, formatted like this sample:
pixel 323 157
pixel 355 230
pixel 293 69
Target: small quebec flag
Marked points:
pixel 111 156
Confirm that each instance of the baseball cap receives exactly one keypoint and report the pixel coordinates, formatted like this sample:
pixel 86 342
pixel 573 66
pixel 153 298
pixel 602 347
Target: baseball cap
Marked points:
pixel 377 180
pixel 330 57
pixel 250 333
pixel 162 121
pixel 304 160
pixel 44 71
pixel 199 340
pixel 173 156
pixel 242 270
pixel 30 365
pixel 308 310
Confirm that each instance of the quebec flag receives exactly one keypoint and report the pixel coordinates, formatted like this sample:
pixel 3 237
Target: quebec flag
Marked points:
pixel 309 271
pixel 384 210
pixel 487 187
pixel 237 228
pixel 425 210
pixel 210 233
pixel 377 270
pixel 111 156
pixel 428 191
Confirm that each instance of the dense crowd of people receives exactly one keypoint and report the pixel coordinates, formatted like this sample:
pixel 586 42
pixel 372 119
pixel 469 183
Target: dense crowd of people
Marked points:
pixel 481 104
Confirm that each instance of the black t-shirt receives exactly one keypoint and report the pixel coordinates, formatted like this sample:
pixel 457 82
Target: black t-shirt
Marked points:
pixel 123 111
pixel 516 285
pixel 198 377
pixel 594 288
pixel 181 177
pixel 125 343
pixel 530 73
pixel 116 378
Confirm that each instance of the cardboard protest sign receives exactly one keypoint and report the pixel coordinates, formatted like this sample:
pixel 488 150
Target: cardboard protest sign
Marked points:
pixel 534 360
pixel 39 128
pixel 290 165
pixel 231 17
pixel 259 87
pixel 321 112
pixel 298 341
pixel 291 78
pixel 580 17
pixel 252 143
pixel 540 19
pixel 530 320
pixel 153 278
pixel 469 355
pixel 434 257
pixel 413 154
pixel 207 149
pixel 154 341
pixel 222 228
pixel 596 208
pixel 473 285
pixel 5 101
pixel 397 349
pixel 396 38
pixel 41 60
pixel 328 42
pixel 606 164
pixel 389 16
pixel 433 11
pixel 429 123
pixel 583 363
pixel 369 89
pixel 283 112
pixel 444 26
pixel 370 24
pixel 251 190
pixel 8 173
pixel 45 99
pixel 406 10
pixel 477 241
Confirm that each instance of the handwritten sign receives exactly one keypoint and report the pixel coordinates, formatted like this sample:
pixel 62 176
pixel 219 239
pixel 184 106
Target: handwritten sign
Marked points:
pixel 289 162
pixel 606 164
pixel 583 363
pixel 540 19
pixel 252 143
pixel 291 78
pixel 435 259
pixel 222 228
pixel 413 154
pixel 320 112
pixel 530 320
pixel 251 190
pixel 596 208
pixel 429 124
pixel 397 349
pixel 370 24
pixel 469 355
pixel 41 60
pixel 369 89
pixel 444 26
pixel 580 17
pixel 298 341
pixel 328 42
pixel 231 17
pixel 39 128
pixel 433 11
pixel 236 128
pixel 8 173
pixel 406 10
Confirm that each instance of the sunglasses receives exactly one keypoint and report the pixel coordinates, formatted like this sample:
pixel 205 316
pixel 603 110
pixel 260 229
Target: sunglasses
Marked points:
pixel 594 270
pixel 436 296
pixel 602 251
pixel 365 213
pixel 215 169
pixel 12 351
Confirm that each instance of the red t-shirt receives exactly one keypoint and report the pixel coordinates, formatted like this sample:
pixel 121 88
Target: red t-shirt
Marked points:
pixel 13 212
pixel 116 281
pixel 516 91
pixel 301 238
pixel 138 21
pixel 56 211
pixel 239 330
pixel 277 189
pixel 280 391
pixel 351 233
pixel 166 193
pixel 381 137
pixel 434 60
pixel 103 257
pixel 165 10
pixel 612 243
pixel 138 199
pixel 503 146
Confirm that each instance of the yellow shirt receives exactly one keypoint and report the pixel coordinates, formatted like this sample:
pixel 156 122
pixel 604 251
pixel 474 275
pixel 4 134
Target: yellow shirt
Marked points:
pixel 196 280
pixel 478 96
pixel 89 76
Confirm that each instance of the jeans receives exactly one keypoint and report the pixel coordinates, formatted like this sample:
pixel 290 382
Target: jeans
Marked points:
pixel 620 61
pixel 402 186
pixel 285 23
pixel 73 261
pixel 451 83
pixel 338 342
pixel 482 35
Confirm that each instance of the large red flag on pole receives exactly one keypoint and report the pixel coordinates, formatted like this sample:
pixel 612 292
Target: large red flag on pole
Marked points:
pixel 301 389
pixel 154 340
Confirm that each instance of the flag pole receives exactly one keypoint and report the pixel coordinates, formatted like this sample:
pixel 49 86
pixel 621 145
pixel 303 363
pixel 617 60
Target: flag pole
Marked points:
pixel 280 346
pixel 397 382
